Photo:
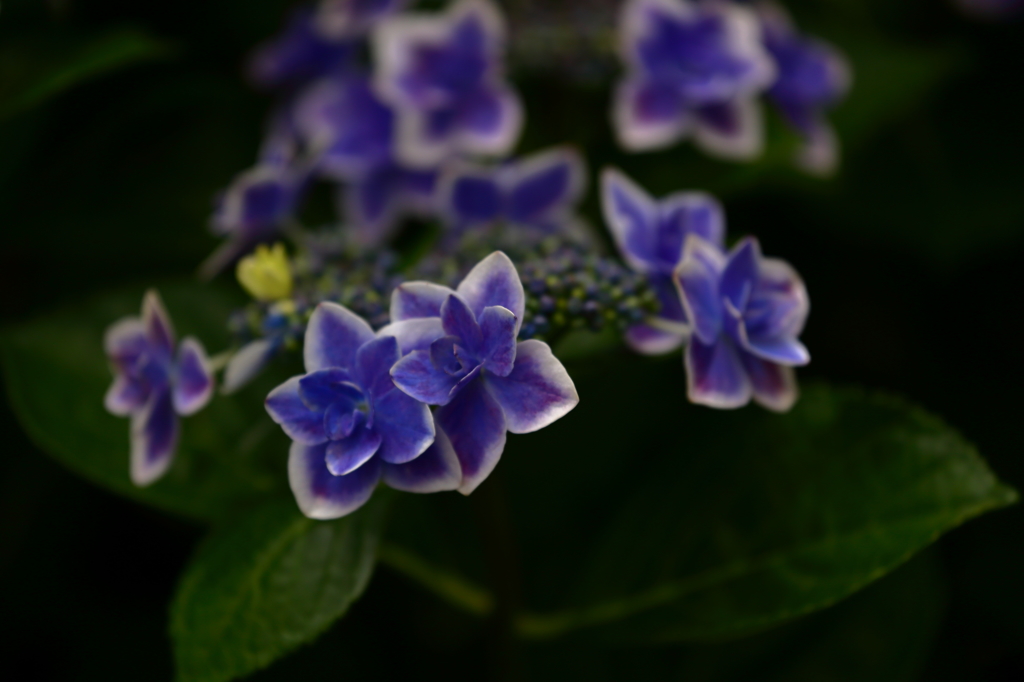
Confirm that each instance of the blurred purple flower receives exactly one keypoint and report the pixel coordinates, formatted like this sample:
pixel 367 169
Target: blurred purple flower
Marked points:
pixel 812 77
pixel 341 19
pixel 461 353
pixel 300 53
pixel 350 425
pixel 650 236
pixel 153 385
pixel 692 69
pixel 444 76
pixel 539 191
pixel 746 312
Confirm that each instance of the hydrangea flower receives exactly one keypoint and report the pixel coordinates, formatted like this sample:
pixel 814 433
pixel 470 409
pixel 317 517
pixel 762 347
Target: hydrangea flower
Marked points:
pixel 812 77
pixel 350 425
pixel 444 76
pixel 539 191
pixel 303 51
pixel 650 236
pixel 153 385
pixel 747 312
pixel 343 19
pixel 693 69
pixel 461 353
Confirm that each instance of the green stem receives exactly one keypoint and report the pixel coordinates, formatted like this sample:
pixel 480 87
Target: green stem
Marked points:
pixel 454 589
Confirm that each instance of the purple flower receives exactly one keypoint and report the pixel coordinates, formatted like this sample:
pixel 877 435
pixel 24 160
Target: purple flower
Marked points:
pixel 444 76
pixel 747 312
pixel 374 201
pixel 539 191
pixel 692 69
pixel 342 19
pixel 351 427
pixel 302 52
pixel 812 77
pixel 461 353
pixel 650 236
pixel 153 385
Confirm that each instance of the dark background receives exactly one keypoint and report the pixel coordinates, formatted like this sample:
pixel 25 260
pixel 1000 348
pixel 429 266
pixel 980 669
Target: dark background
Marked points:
pixel 911 255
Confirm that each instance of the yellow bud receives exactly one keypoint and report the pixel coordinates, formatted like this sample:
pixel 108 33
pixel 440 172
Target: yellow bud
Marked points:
pixel 265 274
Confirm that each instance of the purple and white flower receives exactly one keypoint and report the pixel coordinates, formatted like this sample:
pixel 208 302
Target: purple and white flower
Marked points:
pixel 349 19
pixel 302 52
pixel 650 236
pixel 350 425
pixel 540 191
pixel 693 69
pixel 153 385
pixel 461 353
pixel 444 76
pixel 747 312
pixel 812 77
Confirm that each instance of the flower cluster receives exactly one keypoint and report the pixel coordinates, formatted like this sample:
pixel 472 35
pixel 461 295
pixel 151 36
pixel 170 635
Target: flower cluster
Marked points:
pixel 696 69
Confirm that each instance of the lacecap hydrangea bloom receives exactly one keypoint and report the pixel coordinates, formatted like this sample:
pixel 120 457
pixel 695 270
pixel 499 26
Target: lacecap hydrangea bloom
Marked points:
pixel 444 76
pixel 693 69
pixel 153 384
pixel 461 353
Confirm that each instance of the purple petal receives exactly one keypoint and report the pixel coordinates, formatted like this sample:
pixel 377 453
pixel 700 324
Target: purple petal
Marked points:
pixel 406 426
pixel 459 321
pixel 698 280
pixel 774 385
pixel 498 350
pixel 346 455
pixel 649 114
pixel 321 389
pixel 537 392
pixel 741 273
pixel 417 299
pixel 490 122
pixel 779 304
pixel 374 361
pixel 648 340
pixel 494 281
pixel 475 423
pixel 195 380
pixel 154 437
pixel 416 375
pixel 686 213
pixel 715 375
pixel 320 494
pixel 124 341
pixel 471 199
pixel 437 469
pixel 783 351
pixel 731 130
pixel 157 322
pixel 246 363
pixel 285 407
pixel 632 218
pixel 125 396
pixel 547 183
pixel 414 334
pixel 352 18
pixel 333 336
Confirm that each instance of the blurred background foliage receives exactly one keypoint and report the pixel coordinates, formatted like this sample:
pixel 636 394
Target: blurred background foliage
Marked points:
pixel 119 121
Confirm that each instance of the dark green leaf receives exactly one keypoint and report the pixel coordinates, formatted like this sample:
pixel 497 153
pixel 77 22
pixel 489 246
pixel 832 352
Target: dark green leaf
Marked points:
pixel 56 377
pixel 261 588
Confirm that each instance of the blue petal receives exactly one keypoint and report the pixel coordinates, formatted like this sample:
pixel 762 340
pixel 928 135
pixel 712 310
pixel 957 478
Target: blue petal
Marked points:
pixel 730 129
pixel 715 375
pixel 698 279
pixel 547 183
pixel 321 389
pixel 301 52
pixel 648 340
pixel 320 494
pixel 459 321
pixel 125 341
pixel 498 350
pixel 494 281
pixel 417 299
pixel 154 437
pixel 195 380
pixel 341 419
pixel 649 114
pixel 159 331
pixel 437 469
pixel 537 392
pixel 285 407
pixel 414 334
pixel 346 455
pixel 475 423
pixel 472 200
pixel 125 396
pixel 741 273
pixel 632 217
pixel 333 336
pixel 774 385
pixel 416 375
pixel 374 361
pixel 779 304
pixel 686 213
pixel 406 426
pixel 246 363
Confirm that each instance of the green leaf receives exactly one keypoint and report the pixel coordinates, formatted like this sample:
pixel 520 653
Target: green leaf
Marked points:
pixel 57 374
pixel 259 589
pixel 731 522
pixel 30 75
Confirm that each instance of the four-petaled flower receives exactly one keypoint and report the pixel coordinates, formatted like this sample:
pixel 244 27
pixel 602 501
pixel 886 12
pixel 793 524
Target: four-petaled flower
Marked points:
pixel 351 427
pixel 747 312
pixel 462 354
pixel 539 192
pixel 153 386
pixel 650 236
pixel 812 77
pixel 692 69
pixel 444 76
